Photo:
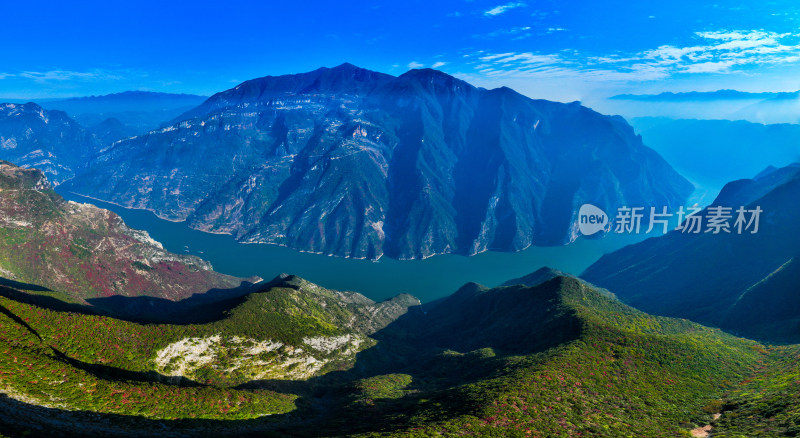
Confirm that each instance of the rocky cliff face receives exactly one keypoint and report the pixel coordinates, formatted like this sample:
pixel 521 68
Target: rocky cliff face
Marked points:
pixel 354 163
pixel 86 251
pixel 31 136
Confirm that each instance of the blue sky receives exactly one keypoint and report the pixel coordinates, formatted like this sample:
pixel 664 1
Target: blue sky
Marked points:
pixel 562 50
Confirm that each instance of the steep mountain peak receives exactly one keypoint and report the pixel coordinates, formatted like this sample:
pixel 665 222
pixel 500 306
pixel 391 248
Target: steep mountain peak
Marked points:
pixel 283 280
pixel 10 109
pixel 301 292
pixel 31 112
pixel 469 290
pixel 31 136
pixel 768 170
pixel 344 79
pixel 745 191
pixel 512 319
pixel 559 287
pixel 772 171
pixel 436 80
pixel 537 277
pixel 345 67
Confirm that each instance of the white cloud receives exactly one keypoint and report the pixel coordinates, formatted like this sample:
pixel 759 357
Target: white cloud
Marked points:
pixel 68 75
pixel 716 52
pixel 709 67
pixel 726 49
pixel 522 58
pixel 496 56
pixel 512 31
pixel 438 64
pixel 415 64
pixel 497 10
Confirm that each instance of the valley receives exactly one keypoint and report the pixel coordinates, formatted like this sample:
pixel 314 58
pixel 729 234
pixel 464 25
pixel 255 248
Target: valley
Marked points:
pixel 428 279
pixel 544 354
pixel 347 252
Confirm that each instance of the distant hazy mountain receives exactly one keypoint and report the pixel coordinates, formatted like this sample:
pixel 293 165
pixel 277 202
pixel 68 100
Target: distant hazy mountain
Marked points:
pixel 31 136
pixel 111 130
pixel 351 162
pixel 138 110
pixel 743 283
pixel 782 108
pixel 693 96
pixel 712 152
pixel 767 107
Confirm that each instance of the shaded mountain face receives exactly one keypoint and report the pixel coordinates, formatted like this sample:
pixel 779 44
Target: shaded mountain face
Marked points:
pixel 745 283
pixel 511 319
pixel 48 140
pixel 350 162
pixel 85 251
pixel 138 111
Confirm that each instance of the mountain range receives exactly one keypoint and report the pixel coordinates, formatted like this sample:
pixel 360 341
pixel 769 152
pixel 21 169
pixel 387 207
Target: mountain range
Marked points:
pixel 765 108
pixel 355 163
pixel 694 96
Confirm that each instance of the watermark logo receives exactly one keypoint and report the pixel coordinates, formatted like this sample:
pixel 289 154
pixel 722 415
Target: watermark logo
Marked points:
pixel 628 220
pixel 592 219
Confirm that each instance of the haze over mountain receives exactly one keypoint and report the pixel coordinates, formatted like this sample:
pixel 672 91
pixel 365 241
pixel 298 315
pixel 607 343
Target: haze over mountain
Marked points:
pixel 351 162
pixel 110 130
pixel 695 96
pixel 137 110
pixel 710 153
pixel 764 107
pixel 744 283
